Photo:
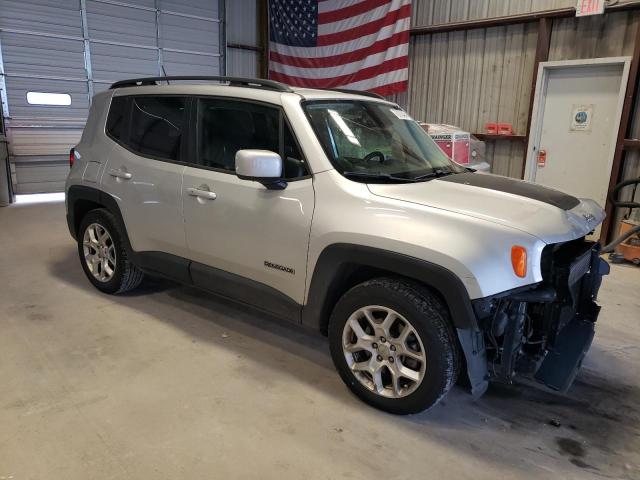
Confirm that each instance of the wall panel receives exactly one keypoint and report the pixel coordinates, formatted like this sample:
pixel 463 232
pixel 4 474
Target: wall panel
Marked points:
pixel 473 77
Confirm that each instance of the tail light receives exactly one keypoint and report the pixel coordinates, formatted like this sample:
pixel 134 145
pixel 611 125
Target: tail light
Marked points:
pixel 72 157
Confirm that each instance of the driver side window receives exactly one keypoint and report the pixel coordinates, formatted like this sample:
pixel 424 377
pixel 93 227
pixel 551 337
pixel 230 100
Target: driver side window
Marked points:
pixel 226 126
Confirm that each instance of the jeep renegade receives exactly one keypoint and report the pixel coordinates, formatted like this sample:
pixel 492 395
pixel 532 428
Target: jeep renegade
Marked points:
pixel 334 209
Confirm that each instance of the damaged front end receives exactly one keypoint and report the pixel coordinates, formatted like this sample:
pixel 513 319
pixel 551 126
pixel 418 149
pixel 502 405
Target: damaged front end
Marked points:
pixel 544 331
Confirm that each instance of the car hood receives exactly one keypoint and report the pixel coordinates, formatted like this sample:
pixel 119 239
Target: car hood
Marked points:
pixel 546 213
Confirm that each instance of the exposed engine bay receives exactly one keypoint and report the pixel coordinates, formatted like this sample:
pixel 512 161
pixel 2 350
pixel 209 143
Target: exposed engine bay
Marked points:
pixel 544 332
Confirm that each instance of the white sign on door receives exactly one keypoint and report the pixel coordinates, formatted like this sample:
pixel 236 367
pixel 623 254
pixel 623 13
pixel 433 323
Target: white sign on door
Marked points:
pixel 589 7
pixel 581 118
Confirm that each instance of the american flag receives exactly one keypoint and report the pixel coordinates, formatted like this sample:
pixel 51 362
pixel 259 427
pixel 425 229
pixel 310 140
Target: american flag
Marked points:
pixel 356 44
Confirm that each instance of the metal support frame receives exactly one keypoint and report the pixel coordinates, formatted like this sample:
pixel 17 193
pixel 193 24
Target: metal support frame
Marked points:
pixel 222 32
pixel 87 48
pixel 3 88
pixel 542 55
pixel 263 31
pixel 161 69
pixel 154 8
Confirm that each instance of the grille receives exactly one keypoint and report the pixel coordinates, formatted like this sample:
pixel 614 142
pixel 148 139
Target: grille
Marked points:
pixel 579 268
pixel 564 264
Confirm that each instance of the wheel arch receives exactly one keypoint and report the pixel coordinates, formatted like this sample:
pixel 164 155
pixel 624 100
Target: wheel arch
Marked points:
pixel 82 199
pixel 342 266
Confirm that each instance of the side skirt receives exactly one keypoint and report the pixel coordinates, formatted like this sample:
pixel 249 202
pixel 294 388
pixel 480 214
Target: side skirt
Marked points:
pixel 219 282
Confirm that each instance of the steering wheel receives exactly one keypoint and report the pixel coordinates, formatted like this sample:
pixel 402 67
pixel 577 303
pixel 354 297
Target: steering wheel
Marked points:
pixel 374 154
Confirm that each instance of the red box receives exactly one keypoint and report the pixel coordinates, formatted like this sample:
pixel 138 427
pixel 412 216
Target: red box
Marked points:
pixel 491 128
pixel 505 129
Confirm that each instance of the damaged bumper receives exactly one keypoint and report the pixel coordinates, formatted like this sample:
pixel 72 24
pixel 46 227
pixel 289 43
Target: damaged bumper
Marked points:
pixel 543 331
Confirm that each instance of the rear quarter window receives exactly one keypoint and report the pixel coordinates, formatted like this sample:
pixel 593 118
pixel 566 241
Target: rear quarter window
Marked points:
pixel 156 126
pixel 116 118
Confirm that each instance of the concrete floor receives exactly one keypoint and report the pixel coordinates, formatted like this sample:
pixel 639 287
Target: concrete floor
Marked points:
pixel 171 383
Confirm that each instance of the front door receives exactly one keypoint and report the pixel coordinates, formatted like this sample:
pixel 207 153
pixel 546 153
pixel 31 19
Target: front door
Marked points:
pixel 574 132
pixel 246 241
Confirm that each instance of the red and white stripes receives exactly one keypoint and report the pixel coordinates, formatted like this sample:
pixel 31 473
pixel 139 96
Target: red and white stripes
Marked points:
pixel 361 44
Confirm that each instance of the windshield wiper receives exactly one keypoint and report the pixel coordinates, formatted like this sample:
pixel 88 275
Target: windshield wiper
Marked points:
pixel 437 173
pixel 377 176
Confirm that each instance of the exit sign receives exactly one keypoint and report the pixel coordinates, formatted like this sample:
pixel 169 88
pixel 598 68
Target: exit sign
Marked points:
pixel 589 7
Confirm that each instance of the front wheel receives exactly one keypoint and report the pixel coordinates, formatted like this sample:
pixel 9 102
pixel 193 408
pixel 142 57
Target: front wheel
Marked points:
pixel 393 345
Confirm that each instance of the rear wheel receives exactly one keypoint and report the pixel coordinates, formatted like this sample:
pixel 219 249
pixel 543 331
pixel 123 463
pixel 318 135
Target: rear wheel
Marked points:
pixel 103 255
pixel 393 345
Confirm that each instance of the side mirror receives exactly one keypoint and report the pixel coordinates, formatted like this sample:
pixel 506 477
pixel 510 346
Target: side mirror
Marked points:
pixel 261 166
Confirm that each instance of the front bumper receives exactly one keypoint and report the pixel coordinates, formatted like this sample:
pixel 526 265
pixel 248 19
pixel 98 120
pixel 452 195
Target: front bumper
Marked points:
pixel 543 331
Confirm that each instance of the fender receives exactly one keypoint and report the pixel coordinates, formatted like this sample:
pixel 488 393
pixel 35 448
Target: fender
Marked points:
pixel 81 192
pixel 338 261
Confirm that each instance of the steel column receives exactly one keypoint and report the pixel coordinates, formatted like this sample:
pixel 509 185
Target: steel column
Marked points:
pixel 222 32
pixel 87 48
pixel 3 88
pixel 542 55
pixel 161 69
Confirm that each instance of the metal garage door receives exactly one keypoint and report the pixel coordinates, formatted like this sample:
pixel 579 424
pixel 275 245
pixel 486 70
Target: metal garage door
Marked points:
pixel 79 47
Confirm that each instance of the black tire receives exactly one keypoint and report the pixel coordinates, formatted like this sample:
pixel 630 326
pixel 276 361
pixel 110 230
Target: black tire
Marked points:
pixel 126 276
pixel 430 319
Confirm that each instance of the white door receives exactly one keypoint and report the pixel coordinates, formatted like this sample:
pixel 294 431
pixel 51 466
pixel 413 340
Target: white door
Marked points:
pixel 239 227
pixel 575 124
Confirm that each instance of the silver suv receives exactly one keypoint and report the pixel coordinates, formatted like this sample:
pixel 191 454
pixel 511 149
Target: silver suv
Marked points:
pixel 335 210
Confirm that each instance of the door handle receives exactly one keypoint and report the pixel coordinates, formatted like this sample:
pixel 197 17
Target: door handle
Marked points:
pixel 196 192
pixel 120 174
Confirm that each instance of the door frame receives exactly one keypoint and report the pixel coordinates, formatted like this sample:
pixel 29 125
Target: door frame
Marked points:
pixel 537 116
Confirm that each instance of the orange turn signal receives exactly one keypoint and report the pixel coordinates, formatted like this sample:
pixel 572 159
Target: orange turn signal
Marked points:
pixel 519 260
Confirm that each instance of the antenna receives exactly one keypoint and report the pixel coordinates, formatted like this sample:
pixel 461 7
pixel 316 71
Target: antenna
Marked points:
pixel 165 73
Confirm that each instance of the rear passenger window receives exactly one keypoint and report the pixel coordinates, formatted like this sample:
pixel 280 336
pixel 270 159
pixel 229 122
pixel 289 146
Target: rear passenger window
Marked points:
pixel 157 125
pixel 116 118
pixel 226 126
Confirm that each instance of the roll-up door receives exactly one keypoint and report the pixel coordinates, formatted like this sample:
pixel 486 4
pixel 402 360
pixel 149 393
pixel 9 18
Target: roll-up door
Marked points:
pixel 55 55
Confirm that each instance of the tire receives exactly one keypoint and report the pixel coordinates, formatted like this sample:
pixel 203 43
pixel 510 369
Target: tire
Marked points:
pixel 118 274
pixel 433 358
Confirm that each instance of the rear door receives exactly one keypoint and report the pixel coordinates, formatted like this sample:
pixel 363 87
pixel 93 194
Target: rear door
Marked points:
pixel 144 170
pixel 247 242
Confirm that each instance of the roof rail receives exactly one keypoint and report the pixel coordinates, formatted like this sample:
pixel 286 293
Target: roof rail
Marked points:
pixel 356 92
pixel 234 81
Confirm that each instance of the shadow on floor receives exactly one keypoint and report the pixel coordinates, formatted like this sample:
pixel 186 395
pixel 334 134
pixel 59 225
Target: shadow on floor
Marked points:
pixel 595 427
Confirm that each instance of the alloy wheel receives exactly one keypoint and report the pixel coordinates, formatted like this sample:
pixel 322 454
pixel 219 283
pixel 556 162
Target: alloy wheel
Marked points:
pixel 384 351
pixel 99 252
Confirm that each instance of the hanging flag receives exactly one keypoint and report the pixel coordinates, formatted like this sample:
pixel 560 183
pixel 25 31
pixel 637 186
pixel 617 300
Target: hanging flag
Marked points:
pixel 355 44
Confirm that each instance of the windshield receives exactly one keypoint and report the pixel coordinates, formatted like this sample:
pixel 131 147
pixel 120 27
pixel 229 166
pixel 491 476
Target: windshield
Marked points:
pixel 376 142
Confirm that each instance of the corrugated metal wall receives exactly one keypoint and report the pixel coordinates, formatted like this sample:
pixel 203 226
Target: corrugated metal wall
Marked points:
pixel 484 75
pixel 242 28
pixel 79 47
pixel 473 77
pixel 432 12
